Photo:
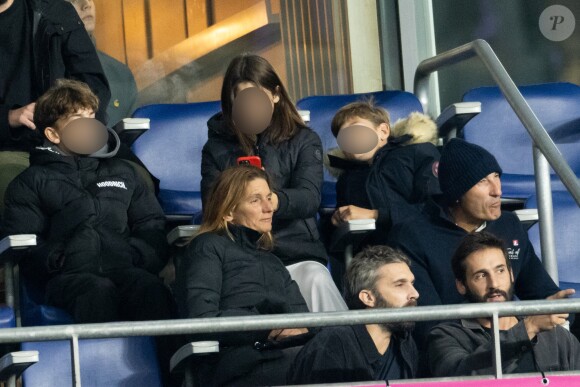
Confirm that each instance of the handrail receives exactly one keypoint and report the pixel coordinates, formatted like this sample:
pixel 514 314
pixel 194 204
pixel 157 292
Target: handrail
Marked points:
pixel 298 320
pixel 537 132
pixel 295 320
pixel 483 51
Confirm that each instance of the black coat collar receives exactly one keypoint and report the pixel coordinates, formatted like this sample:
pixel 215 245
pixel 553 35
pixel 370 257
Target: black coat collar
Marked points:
pixel 245 236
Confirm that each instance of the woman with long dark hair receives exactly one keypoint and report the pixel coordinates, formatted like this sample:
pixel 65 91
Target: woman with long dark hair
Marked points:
pixel 259 119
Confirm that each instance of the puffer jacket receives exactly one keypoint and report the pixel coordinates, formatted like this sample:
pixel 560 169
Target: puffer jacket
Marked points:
pixel 90 215
pixel 402 176
pixel 295 167
pixel 218 276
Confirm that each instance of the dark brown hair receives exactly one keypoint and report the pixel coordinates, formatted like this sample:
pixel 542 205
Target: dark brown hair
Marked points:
pixel 62 100
pixel 227 192
pixel 362 109
pixel 471 243
pixel 254 69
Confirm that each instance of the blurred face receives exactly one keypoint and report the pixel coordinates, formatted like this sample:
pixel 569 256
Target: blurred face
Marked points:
pixel 255 210
pixel 274 98
pixel 56 134
pixel 382 132
pixel 86 11
pixel 482 202
pixel 81 113
pixel 487 277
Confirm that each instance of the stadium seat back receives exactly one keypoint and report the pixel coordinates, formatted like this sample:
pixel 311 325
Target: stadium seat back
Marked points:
pixel 498 129
pixel 33 308
pixel 7 317
pixel 171 150
pixel 127 362
pixel 323 108
pixel 566 222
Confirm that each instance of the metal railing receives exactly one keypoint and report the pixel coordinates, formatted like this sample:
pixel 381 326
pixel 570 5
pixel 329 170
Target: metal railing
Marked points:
pixel 298 320
pixel 543 148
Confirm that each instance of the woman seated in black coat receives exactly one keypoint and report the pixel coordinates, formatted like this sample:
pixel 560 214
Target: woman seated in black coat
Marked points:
pixel 228 270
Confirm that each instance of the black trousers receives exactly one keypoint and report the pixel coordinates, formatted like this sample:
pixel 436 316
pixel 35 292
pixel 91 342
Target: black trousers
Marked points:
pixel 120 295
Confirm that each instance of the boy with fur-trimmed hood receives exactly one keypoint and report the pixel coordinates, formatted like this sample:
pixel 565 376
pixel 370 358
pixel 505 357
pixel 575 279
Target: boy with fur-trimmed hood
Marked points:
pixel 383 173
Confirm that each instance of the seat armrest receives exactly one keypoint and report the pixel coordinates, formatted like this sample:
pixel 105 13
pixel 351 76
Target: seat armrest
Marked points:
pixel 13 242
pixel 18 241
pixel 13 364
pixel 455 116
pixel 350 232
pixel 180 360
pixel 180 235
pixel 130 129
pixel 528 217
pixel 305 115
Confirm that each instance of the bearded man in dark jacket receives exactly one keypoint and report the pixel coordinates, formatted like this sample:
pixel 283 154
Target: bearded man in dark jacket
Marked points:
pixel 101 240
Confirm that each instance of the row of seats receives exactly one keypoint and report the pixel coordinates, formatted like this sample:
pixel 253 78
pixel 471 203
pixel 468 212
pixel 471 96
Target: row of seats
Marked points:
pixel 179 131
pixel 171 149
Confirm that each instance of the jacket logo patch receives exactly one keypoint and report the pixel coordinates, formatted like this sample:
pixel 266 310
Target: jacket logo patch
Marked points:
pixel 116 184
pixel 513 253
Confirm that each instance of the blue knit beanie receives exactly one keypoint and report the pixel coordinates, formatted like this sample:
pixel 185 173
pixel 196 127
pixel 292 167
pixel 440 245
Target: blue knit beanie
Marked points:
pixel 461 166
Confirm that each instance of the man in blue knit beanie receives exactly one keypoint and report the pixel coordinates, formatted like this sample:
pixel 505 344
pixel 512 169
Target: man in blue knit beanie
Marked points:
pixel 470 182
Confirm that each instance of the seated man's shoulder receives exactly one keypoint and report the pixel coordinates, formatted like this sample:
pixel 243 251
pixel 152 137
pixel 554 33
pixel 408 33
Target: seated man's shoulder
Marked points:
pixel 507 223
pixel 330 339
pixel 414 228
pixel 454 328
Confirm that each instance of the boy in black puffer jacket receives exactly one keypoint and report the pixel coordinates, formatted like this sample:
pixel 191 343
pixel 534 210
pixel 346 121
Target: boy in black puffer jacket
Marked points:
pixel 100 231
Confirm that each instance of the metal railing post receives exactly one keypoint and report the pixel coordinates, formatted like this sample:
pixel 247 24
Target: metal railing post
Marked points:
pixel 537 132
pixel 545 214
pixel 496 346
pixel 9 282
pixel 76 364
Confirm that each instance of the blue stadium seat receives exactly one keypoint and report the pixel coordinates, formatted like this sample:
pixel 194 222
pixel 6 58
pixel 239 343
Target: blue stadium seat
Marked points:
pixel 171 150
pixel 566 222
pixel 498 129
pixel 323 107
pixel 129 361
pixel 118 362
pixel 7 317
pixel 33 308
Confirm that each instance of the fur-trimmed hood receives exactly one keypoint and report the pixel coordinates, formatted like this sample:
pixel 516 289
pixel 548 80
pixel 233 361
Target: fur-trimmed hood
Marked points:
pixel 417 128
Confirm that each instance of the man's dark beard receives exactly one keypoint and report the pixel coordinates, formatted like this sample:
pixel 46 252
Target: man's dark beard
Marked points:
pixel 472 297
pixel 395 327
pixel 2 2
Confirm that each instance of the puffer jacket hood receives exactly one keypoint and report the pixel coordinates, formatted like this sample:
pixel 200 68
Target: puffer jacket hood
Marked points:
pixel 109 150
pixel 417 128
